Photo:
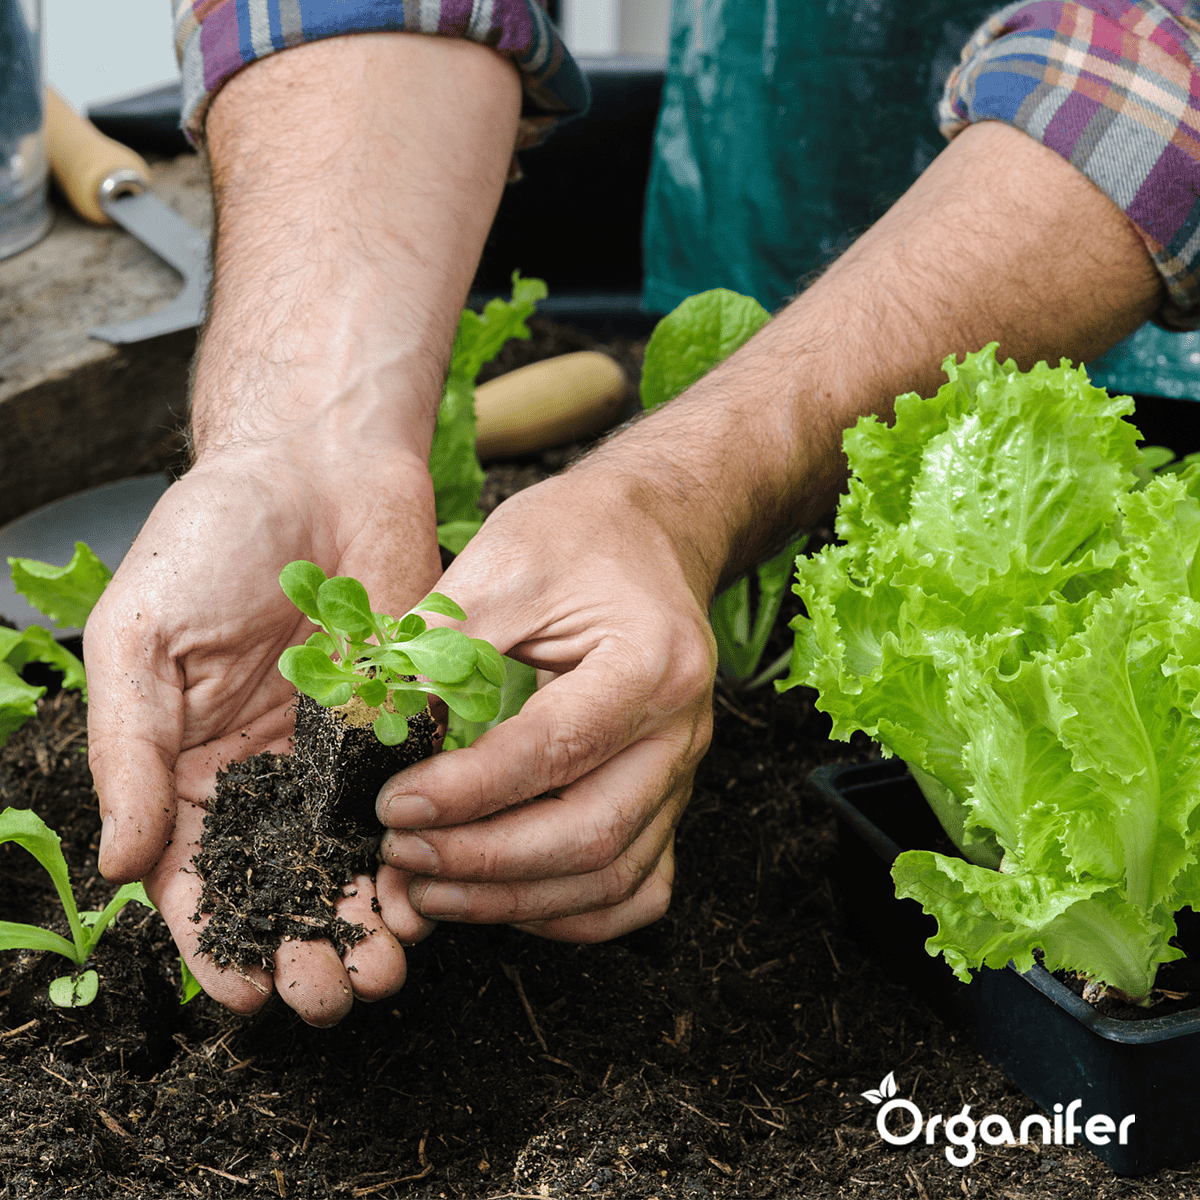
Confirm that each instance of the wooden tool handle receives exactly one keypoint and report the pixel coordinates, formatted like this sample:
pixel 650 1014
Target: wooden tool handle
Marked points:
pixel 82 158
pixel 548 403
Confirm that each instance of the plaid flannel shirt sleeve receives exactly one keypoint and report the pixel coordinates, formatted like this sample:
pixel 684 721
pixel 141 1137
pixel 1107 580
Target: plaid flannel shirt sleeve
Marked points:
pixel 216 38
pixel 1114 87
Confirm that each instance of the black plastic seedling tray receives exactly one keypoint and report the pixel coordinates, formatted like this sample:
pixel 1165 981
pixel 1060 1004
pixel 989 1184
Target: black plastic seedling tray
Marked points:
pixel 1052 1044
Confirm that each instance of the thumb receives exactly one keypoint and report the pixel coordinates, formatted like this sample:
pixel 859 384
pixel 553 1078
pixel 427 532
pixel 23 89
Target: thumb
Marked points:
pixel 134 735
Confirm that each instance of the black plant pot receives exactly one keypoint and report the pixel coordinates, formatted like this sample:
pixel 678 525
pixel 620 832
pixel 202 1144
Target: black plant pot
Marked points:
pixel 1052 1044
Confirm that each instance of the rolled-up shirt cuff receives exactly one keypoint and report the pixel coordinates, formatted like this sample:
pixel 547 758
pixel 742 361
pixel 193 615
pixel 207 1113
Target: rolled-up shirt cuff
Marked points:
pixel 1114 87
pixel 214 39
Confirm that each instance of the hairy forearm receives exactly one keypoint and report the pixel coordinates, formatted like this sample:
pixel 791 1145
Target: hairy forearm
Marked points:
pixel 1000 240
pixel 355 180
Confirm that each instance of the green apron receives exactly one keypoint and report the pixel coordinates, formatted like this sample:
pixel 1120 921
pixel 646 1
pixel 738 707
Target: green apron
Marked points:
pixel 788 126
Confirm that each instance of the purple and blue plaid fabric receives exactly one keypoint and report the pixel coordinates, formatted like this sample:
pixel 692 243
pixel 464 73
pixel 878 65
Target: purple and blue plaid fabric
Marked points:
pixel 1114 87
pixel 216 38
pixel 1111 85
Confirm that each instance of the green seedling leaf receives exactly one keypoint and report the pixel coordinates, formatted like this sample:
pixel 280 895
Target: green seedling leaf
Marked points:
pixel 28 830
pixel 65 594
pixel 395 662
pixel 95 923
pixel 300 581
pixel 75 991
pixel 490 662
pixel 372 693
pixel 408 699
pixel 390 728
pixel 311 672
pixel 408 627
pixel 693 338
pixel 435 602
pixel 443 655
pixel 474 699
pixel 520 682
pixel 322 642
pixel 15 935
pixel 344 606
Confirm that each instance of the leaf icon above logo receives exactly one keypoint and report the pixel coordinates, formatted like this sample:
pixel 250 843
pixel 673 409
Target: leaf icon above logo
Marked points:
pixel 887 1088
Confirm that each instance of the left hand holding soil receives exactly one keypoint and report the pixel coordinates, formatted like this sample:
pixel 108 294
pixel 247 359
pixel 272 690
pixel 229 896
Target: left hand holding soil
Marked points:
pixel 182 652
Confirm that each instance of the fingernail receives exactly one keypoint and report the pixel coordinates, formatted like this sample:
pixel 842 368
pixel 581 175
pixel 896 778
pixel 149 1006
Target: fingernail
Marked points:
pixel 441 900
pixel 403 811
pixel 409 851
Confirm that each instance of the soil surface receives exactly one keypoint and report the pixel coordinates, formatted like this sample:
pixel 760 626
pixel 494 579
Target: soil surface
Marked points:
pixel 719 1053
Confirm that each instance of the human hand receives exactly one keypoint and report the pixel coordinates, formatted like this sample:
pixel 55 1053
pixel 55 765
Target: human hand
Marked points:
pixel 181 654
pixel 561 820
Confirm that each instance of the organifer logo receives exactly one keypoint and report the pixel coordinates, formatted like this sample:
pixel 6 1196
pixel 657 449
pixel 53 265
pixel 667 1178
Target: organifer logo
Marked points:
pixel 961 1130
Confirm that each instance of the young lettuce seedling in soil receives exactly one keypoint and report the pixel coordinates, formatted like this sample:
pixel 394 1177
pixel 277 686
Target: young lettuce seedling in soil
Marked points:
pixel 67 595
pixel 360 695
pixel 1015 612
pixel 686 344
pixel 27 829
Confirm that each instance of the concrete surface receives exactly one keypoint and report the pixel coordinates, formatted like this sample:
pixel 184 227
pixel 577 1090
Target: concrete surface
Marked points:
pixel 76 412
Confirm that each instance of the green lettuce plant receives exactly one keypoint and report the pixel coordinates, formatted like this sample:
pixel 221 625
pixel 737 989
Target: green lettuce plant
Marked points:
pixel 1015 611
pixel 377 658
pixel 686 344
pixel 27 829
pixel 453 462
pixel 67 595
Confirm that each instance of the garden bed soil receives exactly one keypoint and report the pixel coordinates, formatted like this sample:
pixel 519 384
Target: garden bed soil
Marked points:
pixel 718 1053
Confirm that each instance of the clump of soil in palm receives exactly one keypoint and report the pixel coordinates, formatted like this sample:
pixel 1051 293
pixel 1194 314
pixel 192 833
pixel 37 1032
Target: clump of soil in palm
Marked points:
pixel 284 835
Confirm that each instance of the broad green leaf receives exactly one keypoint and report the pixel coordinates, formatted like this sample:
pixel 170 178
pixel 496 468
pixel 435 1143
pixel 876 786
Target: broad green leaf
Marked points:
pixel 322 642
pixel 300 581
pixel 395 662
pixel 443 655
pixel 435 602
pixel 77 992
pixel 390 728
pixel 345 607
pixel 520 682
pixel 372 692
pixel 474 699
pixel 65 594
pixel 490 662
pixel 693 338
pixel 311 672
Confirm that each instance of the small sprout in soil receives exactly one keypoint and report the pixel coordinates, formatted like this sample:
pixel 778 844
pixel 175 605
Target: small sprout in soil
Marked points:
pixel 341 665
pixel 27 829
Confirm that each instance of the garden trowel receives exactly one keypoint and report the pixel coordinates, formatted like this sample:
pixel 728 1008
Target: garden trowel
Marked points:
pixel 108 183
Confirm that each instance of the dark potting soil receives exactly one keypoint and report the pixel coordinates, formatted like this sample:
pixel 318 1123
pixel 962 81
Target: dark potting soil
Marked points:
pixel 284 835
pixel 719 1053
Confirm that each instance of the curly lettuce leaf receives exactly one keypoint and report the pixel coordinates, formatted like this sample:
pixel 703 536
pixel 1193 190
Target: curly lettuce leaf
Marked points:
pixel 1014 612
pixel 453 463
